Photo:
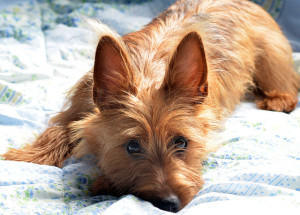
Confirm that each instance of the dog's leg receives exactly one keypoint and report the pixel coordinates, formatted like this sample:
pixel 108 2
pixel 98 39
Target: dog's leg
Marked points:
pixel 50 148
pixel 275 76
pixel 53 146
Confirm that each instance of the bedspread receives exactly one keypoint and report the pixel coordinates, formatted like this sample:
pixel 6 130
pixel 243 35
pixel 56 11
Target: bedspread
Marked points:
pixel 44 50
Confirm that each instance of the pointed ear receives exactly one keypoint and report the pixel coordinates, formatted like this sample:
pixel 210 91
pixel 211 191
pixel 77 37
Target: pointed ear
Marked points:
pixel 112 71
pixel 187 72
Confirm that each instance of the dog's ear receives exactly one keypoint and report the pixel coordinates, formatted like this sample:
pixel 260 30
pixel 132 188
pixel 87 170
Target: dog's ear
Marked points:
pixel 112 71
pixel 187 71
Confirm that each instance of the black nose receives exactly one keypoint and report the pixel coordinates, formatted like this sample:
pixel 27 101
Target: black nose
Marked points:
pixel 170 203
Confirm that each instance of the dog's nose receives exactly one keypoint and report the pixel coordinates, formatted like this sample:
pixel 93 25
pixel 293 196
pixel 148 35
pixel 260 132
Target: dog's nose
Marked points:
pixel 170 203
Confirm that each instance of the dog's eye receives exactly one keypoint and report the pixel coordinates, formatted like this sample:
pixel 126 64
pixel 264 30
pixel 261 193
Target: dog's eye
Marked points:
pixel 133 147
pixel 181 143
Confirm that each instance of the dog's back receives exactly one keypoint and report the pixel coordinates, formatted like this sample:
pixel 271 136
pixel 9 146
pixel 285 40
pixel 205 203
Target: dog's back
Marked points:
pixel 243 46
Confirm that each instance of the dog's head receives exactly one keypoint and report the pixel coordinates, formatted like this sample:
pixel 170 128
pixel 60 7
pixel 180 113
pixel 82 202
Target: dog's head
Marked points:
pixel 149 138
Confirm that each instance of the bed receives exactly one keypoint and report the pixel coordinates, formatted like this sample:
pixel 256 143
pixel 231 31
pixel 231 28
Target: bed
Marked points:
pixel 45 48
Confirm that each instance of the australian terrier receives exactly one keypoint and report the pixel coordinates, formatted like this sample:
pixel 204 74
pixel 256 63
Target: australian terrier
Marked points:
pixel 150 105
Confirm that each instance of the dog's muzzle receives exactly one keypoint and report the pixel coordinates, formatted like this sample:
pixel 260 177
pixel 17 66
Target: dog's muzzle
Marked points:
pixel 170 203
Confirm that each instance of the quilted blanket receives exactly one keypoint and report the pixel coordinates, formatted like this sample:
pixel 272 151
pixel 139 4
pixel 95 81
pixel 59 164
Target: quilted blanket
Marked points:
pixel 44 50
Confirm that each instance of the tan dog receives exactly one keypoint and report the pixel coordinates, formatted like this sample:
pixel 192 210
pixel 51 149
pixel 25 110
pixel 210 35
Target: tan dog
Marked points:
pixel 154 97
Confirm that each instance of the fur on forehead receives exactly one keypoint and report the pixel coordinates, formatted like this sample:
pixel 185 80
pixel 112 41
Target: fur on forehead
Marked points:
pixel 157 124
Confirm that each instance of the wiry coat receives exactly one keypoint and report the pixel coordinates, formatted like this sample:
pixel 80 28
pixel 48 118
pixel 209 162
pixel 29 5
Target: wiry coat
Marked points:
pixel 179 76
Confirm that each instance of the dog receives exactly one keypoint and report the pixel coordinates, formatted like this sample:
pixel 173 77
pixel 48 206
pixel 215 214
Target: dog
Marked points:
pixel 155 97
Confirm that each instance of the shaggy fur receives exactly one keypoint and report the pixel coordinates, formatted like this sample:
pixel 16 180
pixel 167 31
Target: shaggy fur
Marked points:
pixel 178 77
